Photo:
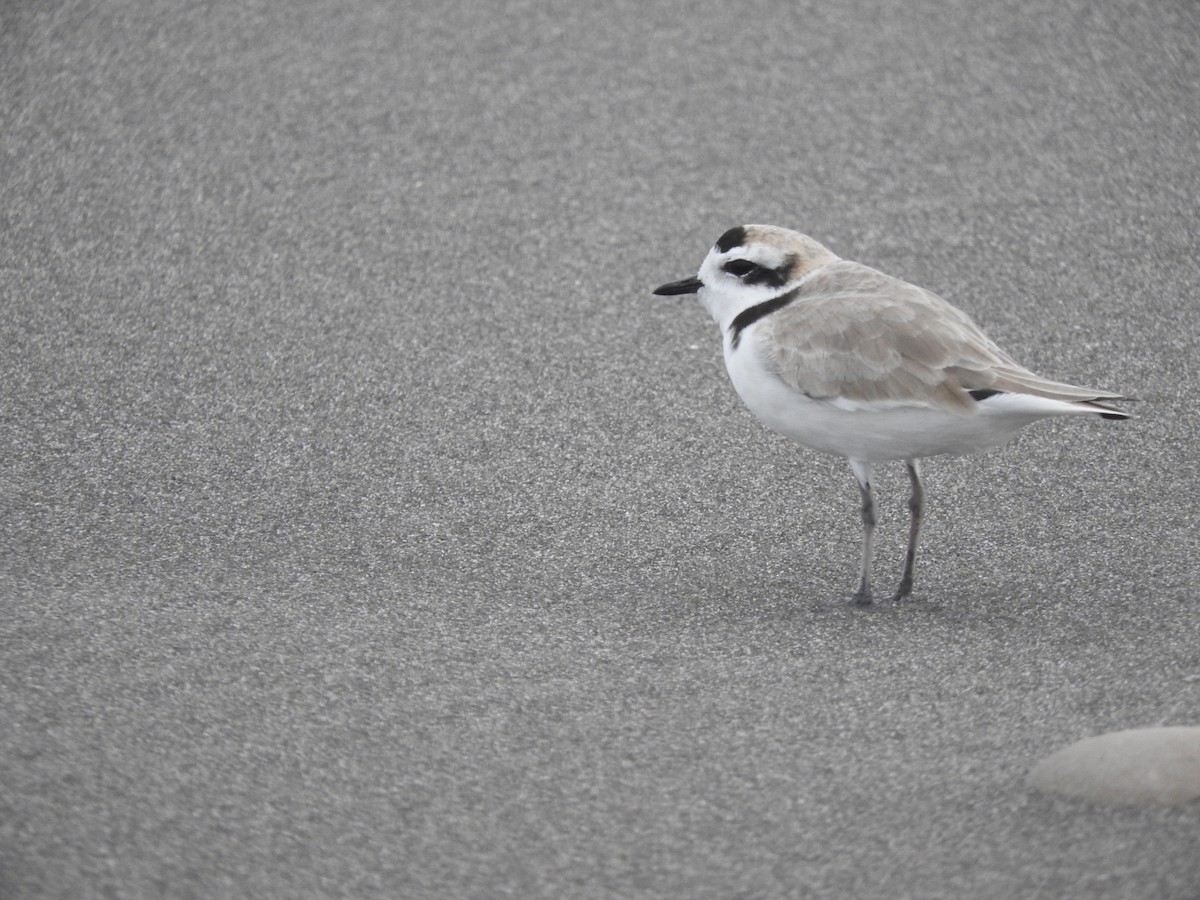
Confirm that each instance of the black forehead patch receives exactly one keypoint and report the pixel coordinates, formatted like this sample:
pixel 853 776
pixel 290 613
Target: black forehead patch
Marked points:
pixel 734 237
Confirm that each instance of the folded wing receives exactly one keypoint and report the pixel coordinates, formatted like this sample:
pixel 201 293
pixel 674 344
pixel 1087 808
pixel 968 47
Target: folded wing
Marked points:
pixel 860 339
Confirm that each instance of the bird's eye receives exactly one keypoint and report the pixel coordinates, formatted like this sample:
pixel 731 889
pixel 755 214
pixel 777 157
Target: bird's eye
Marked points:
pixel 739 267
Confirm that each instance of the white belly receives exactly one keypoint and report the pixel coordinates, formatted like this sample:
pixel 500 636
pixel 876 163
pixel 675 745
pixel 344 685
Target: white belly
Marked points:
pixel 868 435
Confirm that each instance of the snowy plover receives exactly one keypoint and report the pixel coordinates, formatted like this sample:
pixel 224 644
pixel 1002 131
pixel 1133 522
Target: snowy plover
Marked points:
pixel 850 361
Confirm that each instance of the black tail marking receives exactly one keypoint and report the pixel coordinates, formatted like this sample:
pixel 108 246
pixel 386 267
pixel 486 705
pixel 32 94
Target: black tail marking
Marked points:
pixel 1105 412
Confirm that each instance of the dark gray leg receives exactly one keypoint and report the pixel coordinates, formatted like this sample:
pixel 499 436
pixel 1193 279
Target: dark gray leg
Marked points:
pixel 916 511
pixel 862 471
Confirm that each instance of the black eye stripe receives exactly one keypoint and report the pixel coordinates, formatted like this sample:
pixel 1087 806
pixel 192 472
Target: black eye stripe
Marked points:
pixel 769 277
pixel 739 267
pixel 753 273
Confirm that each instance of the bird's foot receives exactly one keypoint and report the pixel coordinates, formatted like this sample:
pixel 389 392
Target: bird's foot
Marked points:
pixel 862 597
pixel 903 592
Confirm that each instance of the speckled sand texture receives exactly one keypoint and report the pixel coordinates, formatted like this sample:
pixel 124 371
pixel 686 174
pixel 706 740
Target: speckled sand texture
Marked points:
pixel 368 530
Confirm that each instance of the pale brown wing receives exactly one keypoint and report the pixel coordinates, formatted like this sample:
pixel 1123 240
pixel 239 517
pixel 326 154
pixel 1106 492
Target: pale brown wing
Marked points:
pixel 857 336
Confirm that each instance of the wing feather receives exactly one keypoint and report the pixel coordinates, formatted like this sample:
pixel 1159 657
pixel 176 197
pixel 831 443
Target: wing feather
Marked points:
pixel 857 337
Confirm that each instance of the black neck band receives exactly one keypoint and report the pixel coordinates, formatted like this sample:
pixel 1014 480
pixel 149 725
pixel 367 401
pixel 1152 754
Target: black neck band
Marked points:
pixel 748 317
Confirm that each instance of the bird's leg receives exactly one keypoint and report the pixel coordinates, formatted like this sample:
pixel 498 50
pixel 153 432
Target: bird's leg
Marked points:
pixel 862 471
pixel 916 510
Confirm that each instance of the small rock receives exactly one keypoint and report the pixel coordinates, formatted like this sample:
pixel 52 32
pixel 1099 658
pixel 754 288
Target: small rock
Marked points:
pixel 1142 766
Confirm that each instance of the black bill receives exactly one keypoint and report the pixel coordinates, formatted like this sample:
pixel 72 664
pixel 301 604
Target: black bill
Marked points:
pixel 687 286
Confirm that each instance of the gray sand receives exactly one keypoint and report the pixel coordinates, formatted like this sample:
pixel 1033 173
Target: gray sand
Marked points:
pixel 369 531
